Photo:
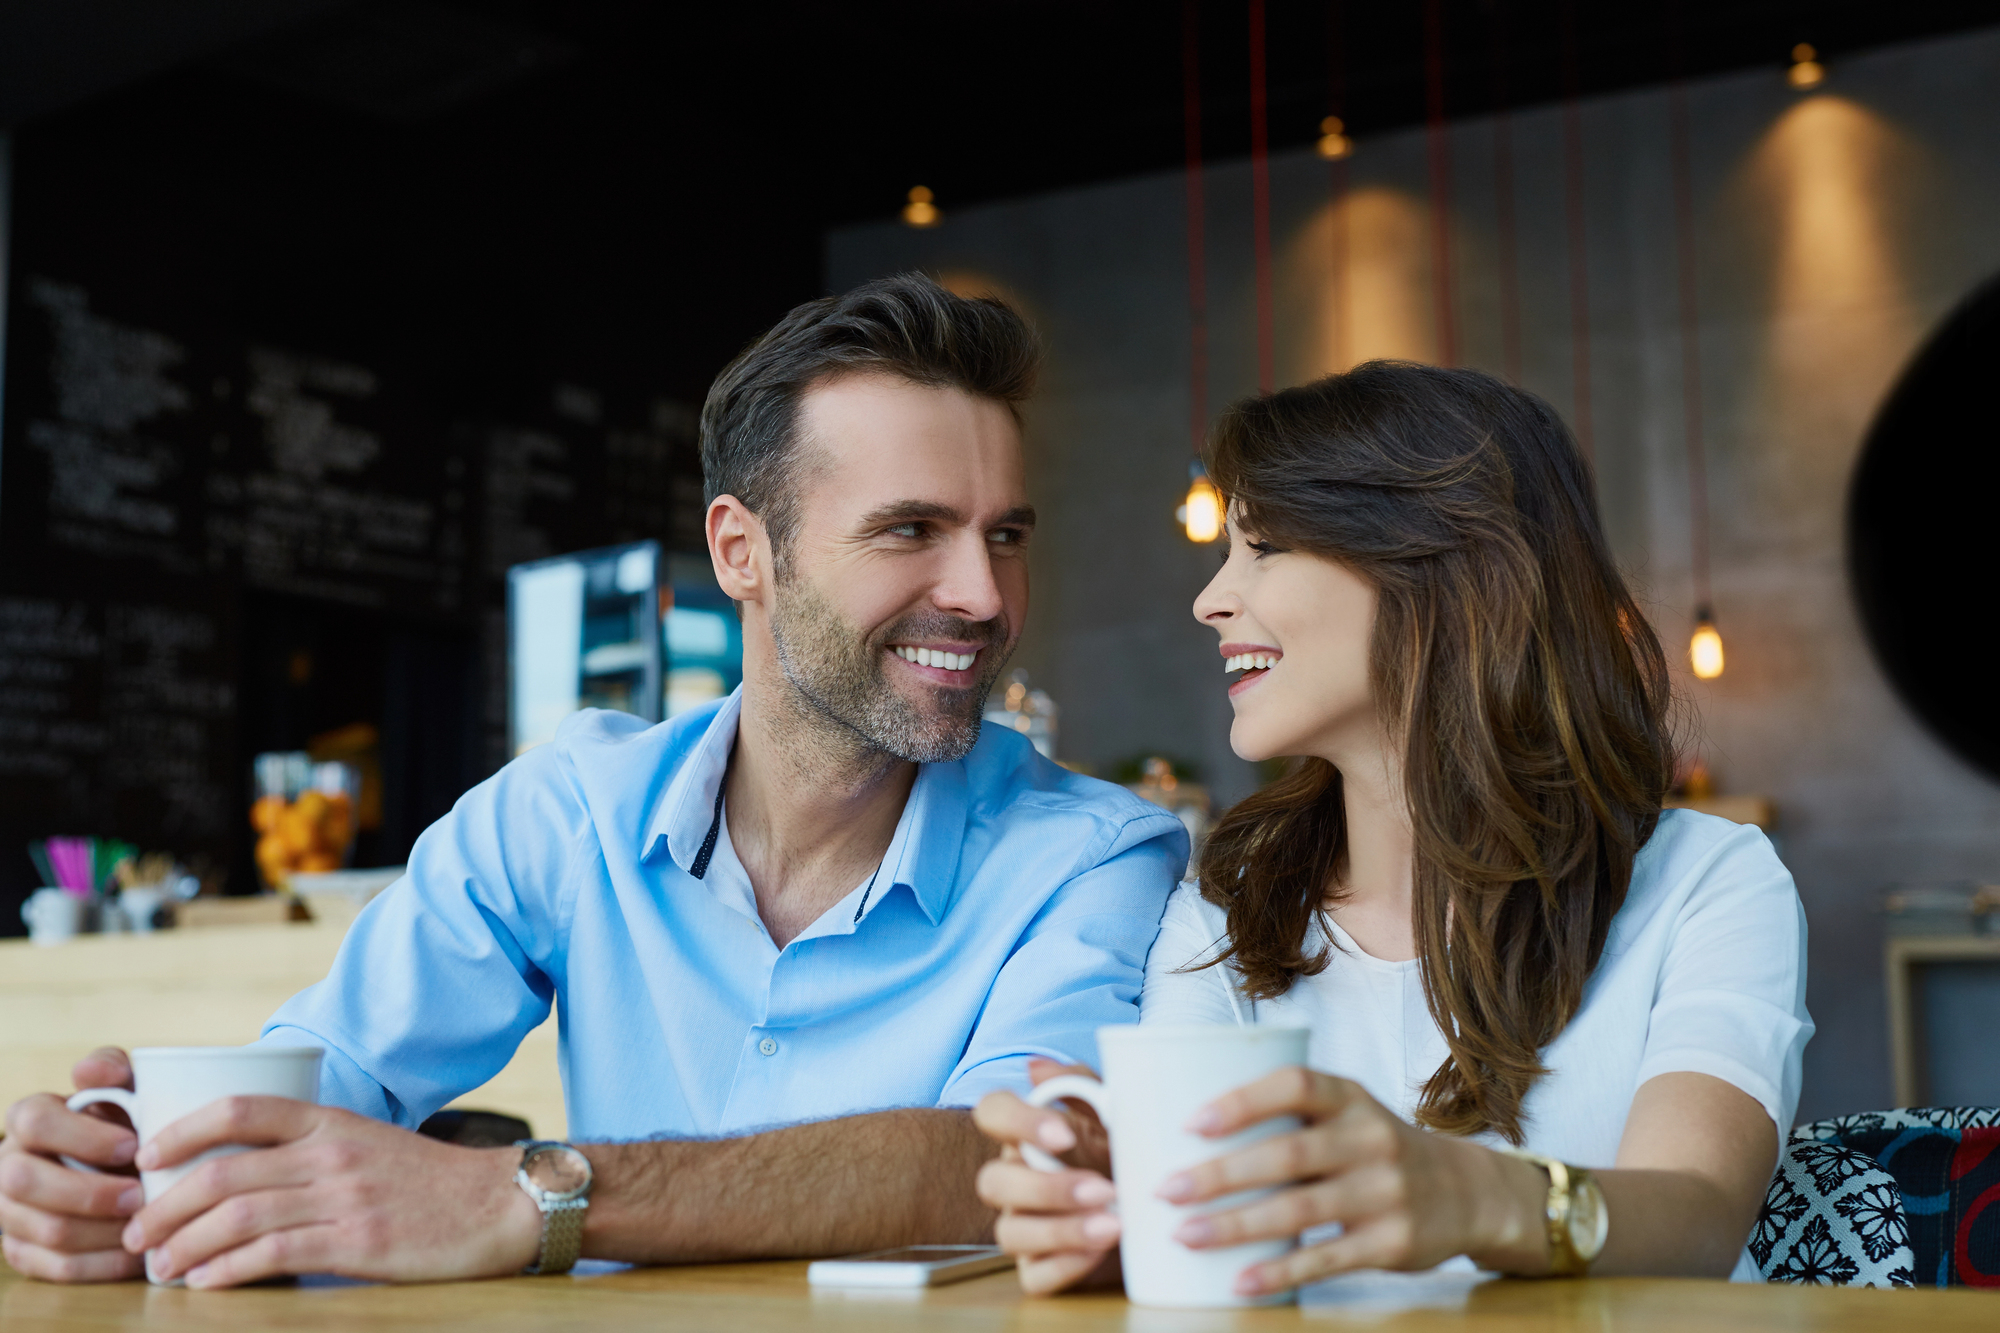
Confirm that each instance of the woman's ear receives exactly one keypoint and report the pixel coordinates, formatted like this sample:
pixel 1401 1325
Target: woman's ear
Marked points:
pixel 739 549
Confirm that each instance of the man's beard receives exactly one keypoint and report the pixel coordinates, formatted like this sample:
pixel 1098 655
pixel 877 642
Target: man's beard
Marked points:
pixel 842 674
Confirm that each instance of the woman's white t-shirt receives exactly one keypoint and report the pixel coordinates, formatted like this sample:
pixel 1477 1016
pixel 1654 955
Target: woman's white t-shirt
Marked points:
pixel 1703 972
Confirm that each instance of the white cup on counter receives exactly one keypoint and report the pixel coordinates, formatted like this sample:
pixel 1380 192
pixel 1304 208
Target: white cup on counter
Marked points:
pixel 53 915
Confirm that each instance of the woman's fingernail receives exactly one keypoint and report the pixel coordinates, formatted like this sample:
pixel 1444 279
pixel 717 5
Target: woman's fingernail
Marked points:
pixel 198 1277
pixel 1177 1187
pixel 1056 1136
pixel 148 1158
pixel 1101 1226
pixel 123 1151
pixel 132 1199
pixel 1204 1120
pixel 1095 1192
pixel 1248 1283
pixel 1195 1231
pixel 134 1239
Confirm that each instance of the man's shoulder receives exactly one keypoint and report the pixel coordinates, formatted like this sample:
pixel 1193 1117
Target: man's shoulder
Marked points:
pixel 596 736
pixel 1014 789
pixel 601 756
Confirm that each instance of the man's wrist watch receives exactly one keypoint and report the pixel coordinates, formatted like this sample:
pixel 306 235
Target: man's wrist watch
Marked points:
pixel 1574 1213
pixel 557 1177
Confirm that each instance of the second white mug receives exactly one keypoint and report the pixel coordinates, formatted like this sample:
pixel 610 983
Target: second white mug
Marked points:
pixel 1155 1078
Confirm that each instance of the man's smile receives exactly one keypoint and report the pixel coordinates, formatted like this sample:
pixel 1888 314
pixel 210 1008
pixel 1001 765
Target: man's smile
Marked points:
pixel 943 663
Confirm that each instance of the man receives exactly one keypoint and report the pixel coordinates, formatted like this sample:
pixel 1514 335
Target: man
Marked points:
pixel 828 903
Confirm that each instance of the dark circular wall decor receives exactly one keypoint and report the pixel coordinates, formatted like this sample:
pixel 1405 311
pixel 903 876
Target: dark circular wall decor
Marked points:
pixel 1923 531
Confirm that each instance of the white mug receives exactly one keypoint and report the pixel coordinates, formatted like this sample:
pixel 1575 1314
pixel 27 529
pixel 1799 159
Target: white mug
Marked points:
pixel 141 904
pixel 174 1081
pixel 1155 1078
pixel 53 915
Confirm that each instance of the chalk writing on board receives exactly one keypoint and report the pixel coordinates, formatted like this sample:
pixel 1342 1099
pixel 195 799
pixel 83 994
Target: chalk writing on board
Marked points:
pixel 47 647
pixel 109 483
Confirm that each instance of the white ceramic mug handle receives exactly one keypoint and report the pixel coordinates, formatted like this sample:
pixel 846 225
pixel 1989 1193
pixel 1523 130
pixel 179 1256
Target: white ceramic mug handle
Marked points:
pixel 1080 1086
pixel 90 1097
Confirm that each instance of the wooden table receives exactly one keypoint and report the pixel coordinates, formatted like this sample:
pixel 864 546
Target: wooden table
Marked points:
pixel 749 1298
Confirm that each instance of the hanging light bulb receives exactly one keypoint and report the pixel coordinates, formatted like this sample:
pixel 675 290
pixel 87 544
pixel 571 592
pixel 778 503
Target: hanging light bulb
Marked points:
pixel 1333 141
pixel 1806 71
pixel 922 210
pixel 1705 648
pixel 1201 516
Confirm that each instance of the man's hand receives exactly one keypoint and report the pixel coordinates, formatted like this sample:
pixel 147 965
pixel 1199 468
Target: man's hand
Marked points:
pixel 61 1224
pixel 327 1191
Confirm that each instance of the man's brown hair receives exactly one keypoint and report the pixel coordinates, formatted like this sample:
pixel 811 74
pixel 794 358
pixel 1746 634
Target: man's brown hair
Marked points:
pixel 1526 692
pixel 907 326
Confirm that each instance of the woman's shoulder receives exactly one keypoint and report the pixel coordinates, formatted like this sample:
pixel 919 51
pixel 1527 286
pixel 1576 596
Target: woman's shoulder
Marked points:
pixel 1694 863
pixel 1191 924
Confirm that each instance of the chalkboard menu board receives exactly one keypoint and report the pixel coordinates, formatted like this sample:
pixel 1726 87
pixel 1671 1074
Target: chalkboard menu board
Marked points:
pixel 155 482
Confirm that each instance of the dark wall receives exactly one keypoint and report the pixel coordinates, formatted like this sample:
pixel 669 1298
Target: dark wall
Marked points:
pixel 273 434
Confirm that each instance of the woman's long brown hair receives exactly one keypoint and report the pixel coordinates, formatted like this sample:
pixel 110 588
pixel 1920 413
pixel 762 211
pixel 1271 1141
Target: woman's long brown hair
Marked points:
pixel 1529 695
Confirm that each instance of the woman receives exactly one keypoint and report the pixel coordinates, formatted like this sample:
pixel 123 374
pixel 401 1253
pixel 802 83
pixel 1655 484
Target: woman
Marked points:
pixel 1465 885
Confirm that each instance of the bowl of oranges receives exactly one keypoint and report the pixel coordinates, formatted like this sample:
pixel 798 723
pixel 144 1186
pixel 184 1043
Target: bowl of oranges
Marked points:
pixel 304 815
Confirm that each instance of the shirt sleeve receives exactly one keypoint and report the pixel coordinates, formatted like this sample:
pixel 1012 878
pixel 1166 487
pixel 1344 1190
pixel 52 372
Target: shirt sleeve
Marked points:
pixel 443 974
pixel 1731 1001
pixel 1179 989
pixel 1079 965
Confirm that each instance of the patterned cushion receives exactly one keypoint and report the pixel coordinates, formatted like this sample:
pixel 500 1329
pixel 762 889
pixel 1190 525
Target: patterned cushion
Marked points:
pixel 1947 1172
pixel 1832 1217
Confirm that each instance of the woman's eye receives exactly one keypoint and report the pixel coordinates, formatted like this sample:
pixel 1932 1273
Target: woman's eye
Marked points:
pixel 1263 548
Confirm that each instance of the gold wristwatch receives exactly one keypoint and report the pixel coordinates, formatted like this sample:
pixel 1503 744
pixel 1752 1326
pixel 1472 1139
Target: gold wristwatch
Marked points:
pixel 1575 1214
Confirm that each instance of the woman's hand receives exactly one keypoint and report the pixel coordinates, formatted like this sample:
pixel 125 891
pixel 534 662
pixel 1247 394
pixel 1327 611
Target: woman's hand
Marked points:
pixel 1405 1199
pixel 1058 1226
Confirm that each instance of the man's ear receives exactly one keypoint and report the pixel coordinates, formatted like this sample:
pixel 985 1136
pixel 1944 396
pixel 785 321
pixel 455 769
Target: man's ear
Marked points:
pixel 739 549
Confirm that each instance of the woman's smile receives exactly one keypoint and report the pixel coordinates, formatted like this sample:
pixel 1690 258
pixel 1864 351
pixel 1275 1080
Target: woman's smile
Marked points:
pixel 1254 660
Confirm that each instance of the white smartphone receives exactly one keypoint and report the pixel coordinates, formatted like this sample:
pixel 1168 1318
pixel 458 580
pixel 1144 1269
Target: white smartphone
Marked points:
pixel 910 1266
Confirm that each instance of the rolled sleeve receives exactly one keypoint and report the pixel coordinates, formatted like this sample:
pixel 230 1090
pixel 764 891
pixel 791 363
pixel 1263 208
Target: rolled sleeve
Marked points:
pixel 1078 967
pixel 444 973
pixel 1731 998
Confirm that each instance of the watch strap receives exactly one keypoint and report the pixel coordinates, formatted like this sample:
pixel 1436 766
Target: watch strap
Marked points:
pixel 1564 1182
pixel 562 1237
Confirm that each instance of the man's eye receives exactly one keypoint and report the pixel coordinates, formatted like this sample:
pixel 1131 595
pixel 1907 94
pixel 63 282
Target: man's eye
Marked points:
pixel 1007 536
pixel 910 530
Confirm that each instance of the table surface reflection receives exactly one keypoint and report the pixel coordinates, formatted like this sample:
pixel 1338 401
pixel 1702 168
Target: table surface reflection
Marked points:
pixel 746 1298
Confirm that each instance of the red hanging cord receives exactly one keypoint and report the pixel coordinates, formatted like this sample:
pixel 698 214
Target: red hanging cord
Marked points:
pixel 1439 143
pixel 1260 200
pixel 1336 184
pixel 1196 208
pixel 1579 256
pixel 1680 147
pixel 1503 201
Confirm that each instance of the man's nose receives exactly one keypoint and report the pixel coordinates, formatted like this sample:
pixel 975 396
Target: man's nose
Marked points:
pixel 966 587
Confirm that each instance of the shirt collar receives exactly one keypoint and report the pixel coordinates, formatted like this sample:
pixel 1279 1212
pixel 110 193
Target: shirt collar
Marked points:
pixel 686 811
pixel 922 856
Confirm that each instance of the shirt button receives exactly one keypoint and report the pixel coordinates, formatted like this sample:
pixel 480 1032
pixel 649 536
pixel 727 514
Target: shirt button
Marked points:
pixel 768 1046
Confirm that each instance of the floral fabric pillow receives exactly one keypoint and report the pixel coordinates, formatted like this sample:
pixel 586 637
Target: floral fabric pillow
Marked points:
pixel 1832 1217
pixel 1945 1161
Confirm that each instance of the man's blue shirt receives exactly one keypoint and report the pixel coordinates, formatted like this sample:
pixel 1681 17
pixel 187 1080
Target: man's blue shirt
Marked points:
pixel 1011 917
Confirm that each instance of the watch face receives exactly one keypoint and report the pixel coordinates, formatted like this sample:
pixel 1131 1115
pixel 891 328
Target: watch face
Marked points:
pixel 561 1170
pixel 1589 1221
